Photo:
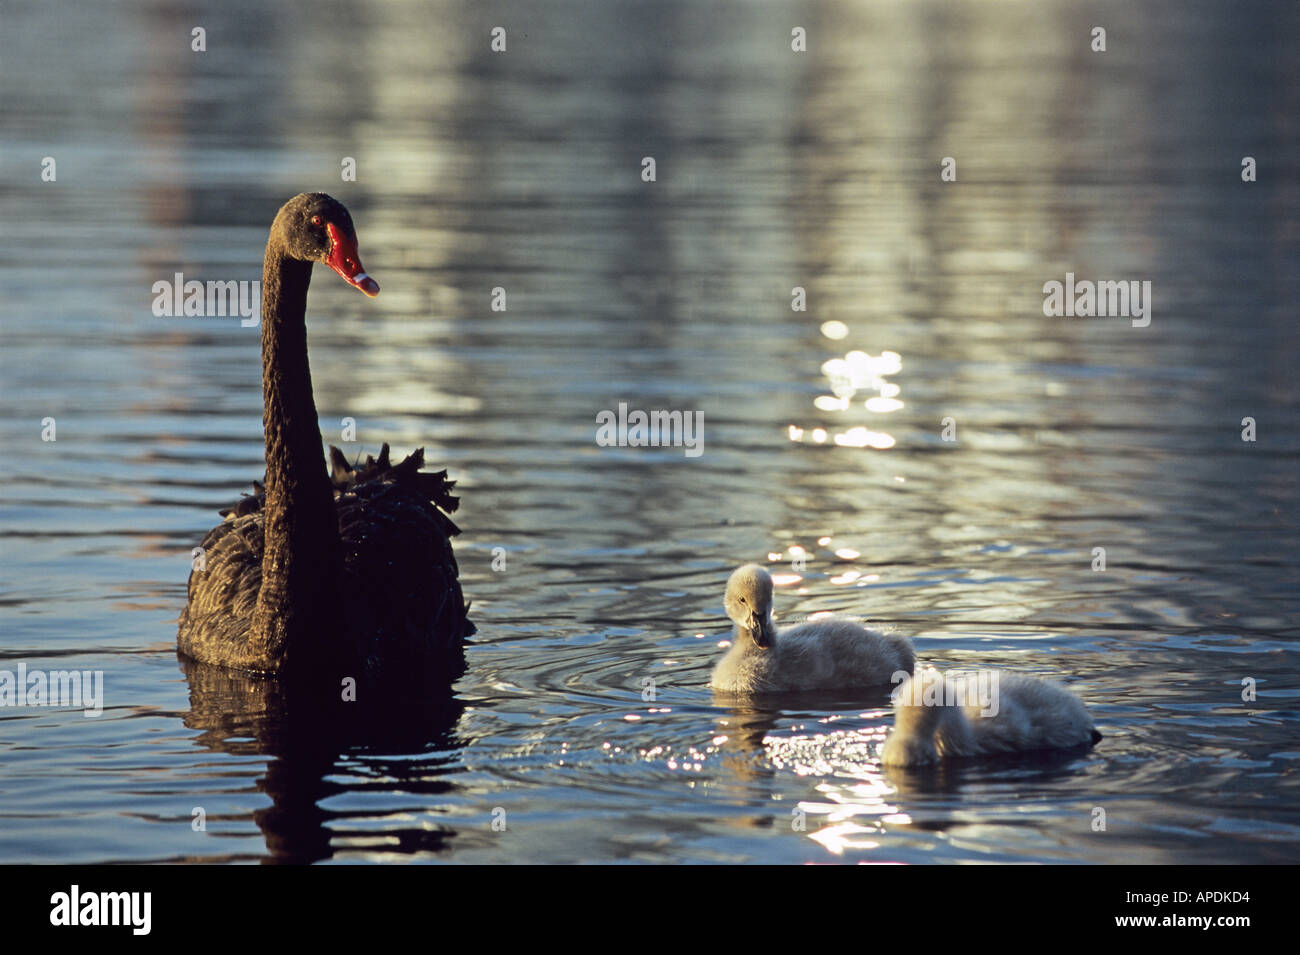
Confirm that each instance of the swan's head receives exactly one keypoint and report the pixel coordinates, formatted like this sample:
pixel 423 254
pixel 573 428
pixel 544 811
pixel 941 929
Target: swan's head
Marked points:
pixel 314 227
pixel 749 604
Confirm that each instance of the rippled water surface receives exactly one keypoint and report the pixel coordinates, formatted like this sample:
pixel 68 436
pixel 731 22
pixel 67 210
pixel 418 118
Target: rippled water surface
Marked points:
pixel 823 429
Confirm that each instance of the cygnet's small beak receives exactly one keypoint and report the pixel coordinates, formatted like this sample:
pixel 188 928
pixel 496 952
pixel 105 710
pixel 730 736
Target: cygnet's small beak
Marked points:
pixel 760 630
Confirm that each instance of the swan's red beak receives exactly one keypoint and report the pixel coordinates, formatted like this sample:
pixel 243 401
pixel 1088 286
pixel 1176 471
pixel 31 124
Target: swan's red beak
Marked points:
pixel 346 261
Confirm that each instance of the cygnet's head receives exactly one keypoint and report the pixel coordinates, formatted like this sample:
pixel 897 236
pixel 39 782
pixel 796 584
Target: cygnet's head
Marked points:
pixel 749 604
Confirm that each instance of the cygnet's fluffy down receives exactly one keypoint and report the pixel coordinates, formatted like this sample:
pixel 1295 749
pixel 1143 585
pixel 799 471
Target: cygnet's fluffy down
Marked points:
pixel 829 653
pixel 982 712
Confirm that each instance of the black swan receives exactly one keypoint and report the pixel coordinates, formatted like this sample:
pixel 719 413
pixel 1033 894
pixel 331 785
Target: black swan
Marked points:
pixel 349 574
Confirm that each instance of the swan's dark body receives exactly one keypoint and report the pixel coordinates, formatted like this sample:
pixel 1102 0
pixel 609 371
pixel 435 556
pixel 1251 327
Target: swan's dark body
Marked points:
pixel 399 601
pixel 316 575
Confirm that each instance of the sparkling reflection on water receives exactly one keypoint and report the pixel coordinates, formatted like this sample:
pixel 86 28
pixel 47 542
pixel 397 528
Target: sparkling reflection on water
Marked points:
pixel 825 449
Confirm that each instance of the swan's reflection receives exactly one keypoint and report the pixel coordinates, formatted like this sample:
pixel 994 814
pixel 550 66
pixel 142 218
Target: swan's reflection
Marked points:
pixel 748 721
pixel 856 799
pixel 852 787
pixel 743 729
pixel 393 739
pixel 740 733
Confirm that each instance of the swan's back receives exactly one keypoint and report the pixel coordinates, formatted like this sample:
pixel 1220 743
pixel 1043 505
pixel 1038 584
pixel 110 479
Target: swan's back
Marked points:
pixel 984 712
pixel 840 652
pixel 224 582
pixel 400 599
pixel 1032 714
pixel 398 560
pixel 825 654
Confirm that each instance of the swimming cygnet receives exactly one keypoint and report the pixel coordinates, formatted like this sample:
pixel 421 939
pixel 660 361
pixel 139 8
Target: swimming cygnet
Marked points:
pixel 829 653
pixel 980 712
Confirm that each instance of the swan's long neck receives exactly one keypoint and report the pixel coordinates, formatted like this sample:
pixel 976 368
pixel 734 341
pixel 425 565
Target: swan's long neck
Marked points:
pixel 301 560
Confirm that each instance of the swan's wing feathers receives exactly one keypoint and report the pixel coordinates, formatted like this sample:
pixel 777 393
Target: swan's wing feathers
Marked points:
pixel 375 467
pixel 399 566
pixel 224 580
pixel 248 504
pixel 438 489
pixel 397 550
pixel 382 475
pixel 398 562
pixel 340 471
pixel 431 486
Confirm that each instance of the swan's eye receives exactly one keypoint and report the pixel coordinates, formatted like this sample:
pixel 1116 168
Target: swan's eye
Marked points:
pixel 315 220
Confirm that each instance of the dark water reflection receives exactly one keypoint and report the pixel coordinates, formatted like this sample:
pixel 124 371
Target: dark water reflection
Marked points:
pixel 305 739
pixel 822 428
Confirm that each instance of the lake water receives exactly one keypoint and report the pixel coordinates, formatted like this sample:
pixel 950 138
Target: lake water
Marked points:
pixel 823 429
